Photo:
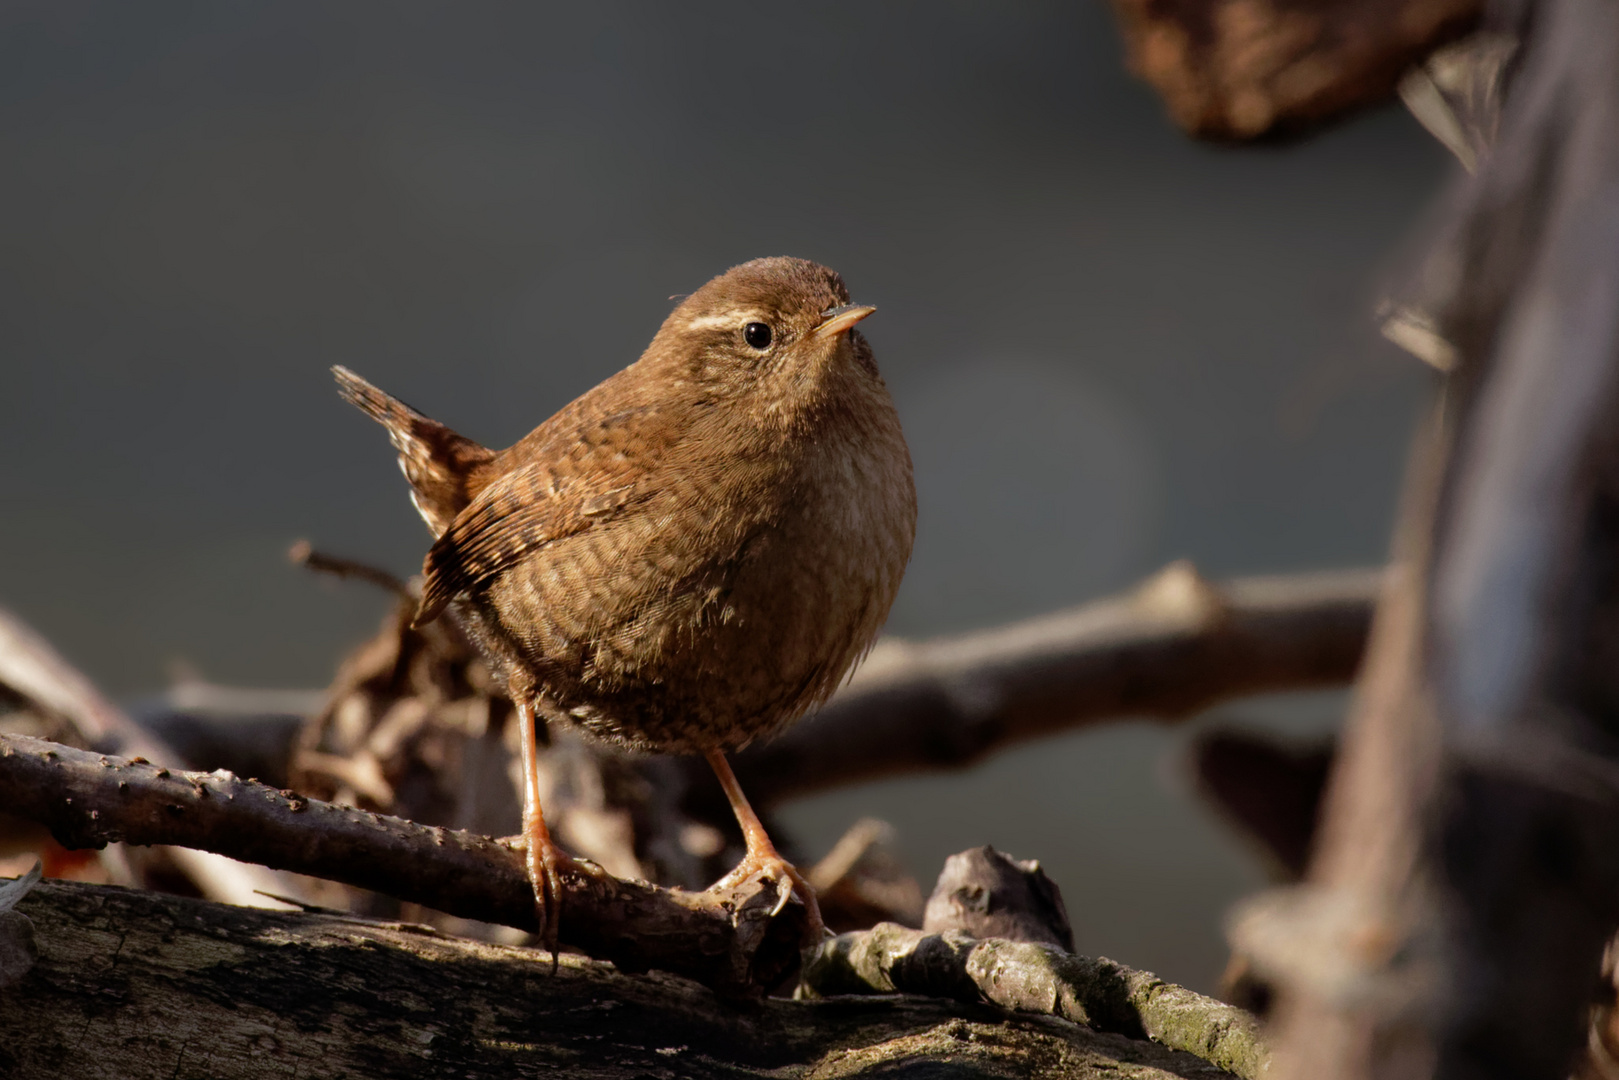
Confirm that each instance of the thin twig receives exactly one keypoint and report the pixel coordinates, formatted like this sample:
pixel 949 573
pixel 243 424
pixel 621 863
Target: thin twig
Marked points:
pixel 304 554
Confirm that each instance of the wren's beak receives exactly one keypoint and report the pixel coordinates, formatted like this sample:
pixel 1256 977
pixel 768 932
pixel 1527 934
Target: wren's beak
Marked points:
pixel 835 321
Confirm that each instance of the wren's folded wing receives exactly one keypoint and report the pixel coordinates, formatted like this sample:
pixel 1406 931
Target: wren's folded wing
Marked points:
pixel 592 477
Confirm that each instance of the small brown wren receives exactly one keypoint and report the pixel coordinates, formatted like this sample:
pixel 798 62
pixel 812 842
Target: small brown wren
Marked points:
pixel 691 555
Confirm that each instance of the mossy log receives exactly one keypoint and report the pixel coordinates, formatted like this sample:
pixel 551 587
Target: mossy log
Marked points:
pixel 1034 977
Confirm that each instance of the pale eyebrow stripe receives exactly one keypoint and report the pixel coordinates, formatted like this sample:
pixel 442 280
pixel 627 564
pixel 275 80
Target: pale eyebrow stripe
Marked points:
pixel 715 322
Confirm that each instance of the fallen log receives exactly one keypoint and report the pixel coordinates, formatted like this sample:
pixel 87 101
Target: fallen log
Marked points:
pixel 132 985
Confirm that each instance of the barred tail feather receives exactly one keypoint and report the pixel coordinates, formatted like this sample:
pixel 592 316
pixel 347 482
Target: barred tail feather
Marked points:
pixel 444 468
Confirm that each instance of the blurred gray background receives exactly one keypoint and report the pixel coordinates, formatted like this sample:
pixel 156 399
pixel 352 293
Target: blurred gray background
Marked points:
pixel 1110 347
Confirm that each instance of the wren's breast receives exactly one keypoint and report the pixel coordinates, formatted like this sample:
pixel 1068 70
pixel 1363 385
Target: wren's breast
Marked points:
pixel 731 642
pixel 814 593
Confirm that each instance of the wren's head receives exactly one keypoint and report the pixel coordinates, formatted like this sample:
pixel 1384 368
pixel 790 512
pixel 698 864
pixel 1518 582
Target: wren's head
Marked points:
pixel 778 328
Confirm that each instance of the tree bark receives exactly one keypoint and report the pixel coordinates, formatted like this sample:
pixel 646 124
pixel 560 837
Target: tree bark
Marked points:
pixel 132 985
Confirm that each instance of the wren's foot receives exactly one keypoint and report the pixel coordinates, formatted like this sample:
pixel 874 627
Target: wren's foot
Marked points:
pixel 762 854
pixel 546 862
pixel 767 863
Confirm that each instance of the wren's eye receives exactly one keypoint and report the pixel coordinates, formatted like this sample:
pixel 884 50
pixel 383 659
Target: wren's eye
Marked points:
pixel 756 334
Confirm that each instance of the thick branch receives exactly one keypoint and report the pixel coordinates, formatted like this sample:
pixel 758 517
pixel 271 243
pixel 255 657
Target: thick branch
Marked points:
pixel 132 985
pixel 1033 977
pixel 88 800
pixel 1171 648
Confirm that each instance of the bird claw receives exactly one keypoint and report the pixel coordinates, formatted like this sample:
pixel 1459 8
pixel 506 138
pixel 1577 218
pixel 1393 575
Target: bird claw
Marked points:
pixel 771 867
pixel 782 896
pixel 552 915
pixel 545 864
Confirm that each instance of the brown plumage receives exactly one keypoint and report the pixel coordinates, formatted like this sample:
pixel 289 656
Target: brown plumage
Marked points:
pixel 695 552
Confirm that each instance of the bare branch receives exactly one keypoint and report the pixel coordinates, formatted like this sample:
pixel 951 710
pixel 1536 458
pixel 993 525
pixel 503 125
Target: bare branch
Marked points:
pixel 729 942
pixel 1169 649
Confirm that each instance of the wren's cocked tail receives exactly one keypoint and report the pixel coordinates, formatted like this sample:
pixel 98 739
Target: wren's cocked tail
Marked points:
pixel 692 554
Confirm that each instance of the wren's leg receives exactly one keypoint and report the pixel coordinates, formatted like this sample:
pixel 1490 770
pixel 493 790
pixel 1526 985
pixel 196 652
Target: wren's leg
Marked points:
pixel 544 858
pixel 762 854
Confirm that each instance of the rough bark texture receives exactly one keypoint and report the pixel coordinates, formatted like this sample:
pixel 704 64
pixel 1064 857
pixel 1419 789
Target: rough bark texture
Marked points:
pixel 1031 977
pixel 732 942
pixel 132 985
pixel 1238 69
